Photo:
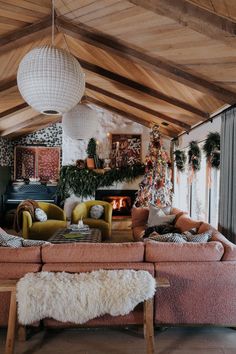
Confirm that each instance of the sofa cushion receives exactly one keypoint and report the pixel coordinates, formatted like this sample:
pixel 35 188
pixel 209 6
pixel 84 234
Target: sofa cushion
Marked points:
pixel 93 252
pixel 96 223
pixel 178 211
pixel 20 255
pixel 184 223
pixel 89 267
pixel 229 247
pixel 183 252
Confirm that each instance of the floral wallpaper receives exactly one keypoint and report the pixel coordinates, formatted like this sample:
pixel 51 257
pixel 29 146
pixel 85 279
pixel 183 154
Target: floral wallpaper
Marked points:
pixel 50 136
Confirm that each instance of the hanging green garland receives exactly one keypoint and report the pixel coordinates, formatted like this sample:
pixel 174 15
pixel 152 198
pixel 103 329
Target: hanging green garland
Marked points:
pixel 180 160
pixel 212 149
pixel 194 156
pixel 84 182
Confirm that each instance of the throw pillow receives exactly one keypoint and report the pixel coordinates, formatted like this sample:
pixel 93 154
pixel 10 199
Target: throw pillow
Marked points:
pixel 96 211
pixel 200 238
pixel 10 240
pixel 33 243
pixel 158 218
pixel 190 232
pixel 161 229
pixel 172 237
pixel 7 240
pixel 167 210
pixel 40 215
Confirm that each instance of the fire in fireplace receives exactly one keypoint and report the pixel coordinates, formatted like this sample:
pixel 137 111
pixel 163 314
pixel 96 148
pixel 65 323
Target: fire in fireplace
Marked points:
pixel 121 200
pixel 120 205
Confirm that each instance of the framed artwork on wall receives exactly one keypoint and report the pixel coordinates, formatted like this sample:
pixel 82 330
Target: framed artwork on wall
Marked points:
pixel 37 162
pixel 24 162
pixel 126 149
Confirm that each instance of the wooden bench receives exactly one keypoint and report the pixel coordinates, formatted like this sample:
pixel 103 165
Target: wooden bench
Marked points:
pixel 10 286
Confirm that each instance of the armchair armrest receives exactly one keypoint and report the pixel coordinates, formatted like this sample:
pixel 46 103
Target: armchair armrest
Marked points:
pixel 80 211
pixel 26 224
pixel 57 213
pixel 108 213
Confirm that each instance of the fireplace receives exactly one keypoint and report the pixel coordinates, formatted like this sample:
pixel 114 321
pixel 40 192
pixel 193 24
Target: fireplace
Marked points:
pixel 121 200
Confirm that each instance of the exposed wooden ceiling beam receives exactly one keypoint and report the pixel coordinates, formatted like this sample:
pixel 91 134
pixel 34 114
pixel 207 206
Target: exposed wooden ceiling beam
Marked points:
pixel 7 85
pixel 25 32
pixel 128 115
pixel 10 111
pixel 195 17
pixel 21 125
pixel 30 129
pixel 142 88
pixel 157 64
pixel 153 112
pixel 130 83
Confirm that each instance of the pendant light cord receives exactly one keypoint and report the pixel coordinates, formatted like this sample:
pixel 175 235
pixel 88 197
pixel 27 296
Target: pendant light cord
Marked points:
pixel 53 22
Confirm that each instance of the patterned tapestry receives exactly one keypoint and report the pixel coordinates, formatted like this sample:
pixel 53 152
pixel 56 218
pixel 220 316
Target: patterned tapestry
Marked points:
pixel 37 162
pixel 126 149
pixel 48 163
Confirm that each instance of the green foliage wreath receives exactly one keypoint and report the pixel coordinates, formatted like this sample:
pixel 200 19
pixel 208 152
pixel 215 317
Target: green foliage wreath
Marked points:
pixel 194 156
pixel 212 149
pixel 180 159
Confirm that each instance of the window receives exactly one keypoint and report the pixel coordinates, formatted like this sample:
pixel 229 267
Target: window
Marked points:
pixel 199 193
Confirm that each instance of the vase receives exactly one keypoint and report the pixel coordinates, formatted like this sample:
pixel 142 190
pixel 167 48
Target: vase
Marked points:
pixel 90 163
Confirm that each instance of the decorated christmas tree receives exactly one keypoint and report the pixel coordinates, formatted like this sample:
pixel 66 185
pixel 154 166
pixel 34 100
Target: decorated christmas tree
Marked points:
pixel 156 187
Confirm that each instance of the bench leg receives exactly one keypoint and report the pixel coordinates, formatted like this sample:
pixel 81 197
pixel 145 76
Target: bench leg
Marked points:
pixel 148 326
pixel 10 341
pixel 21 333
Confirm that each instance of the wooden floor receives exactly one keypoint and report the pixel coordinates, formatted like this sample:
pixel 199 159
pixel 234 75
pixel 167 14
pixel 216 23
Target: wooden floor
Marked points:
pixel 120 341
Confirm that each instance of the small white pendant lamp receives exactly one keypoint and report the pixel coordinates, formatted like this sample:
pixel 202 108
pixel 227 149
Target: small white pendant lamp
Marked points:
pixel 80 123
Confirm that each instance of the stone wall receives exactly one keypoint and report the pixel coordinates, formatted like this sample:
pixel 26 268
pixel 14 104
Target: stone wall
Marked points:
pixel 108 123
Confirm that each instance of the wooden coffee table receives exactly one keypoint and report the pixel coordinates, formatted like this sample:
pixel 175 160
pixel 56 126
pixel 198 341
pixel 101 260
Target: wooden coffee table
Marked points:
pixel 95 236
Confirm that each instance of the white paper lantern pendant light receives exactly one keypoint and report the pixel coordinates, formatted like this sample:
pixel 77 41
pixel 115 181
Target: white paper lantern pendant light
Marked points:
pixel 80 123
pixel 50 79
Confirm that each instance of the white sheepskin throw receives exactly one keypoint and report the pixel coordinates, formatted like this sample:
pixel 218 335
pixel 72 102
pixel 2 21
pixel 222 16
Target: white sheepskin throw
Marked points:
pixel 78 298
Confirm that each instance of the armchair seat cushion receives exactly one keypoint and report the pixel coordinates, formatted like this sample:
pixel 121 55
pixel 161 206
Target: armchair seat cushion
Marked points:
pixel 96 223
pixel 43 230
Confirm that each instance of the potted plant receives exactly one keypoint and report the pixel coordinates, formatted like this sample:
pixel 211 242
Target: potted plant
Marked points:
pixel 91 152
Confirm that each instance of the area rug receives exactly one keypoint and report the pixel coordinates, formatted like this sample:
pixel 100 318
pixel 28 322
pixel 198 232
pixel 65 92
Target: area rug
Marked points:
pixel 78 298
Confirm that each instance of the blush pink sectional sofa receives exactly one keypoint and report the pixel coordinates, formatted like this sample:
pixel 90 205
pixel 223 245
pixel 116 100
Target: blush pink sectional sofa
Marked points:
pixel 202 276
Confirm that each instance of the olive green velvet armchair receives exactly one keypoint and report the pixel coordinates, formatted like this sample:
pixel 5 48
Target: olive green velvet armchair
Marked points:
pixel 82 210
pixel 38 230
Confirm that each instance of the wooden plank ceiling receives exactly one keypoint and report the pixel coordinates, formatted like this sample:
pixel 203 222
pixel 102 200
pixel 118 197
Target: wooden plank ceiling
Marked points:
pixel 163 61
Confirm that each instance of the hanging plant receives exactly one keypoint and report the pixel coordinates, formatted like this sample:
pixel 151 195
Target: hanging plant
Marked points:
pixel 180 159
pixel 194 156
pixel 212 149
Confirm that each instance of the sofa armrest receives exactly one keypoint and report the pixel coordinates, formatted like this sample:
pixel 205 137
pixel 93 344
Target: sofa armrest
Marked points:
pixel 26 224
pixel 139 216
